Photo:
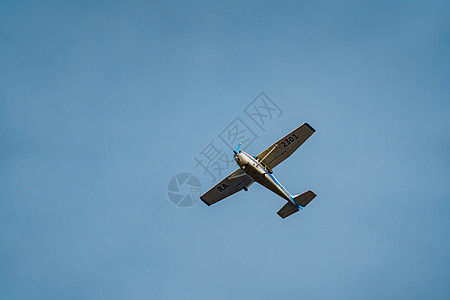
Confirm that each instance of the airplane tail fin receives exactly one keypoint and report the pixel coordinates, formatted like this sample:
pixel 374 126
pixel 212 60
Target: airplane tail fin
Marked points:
pixel 302 200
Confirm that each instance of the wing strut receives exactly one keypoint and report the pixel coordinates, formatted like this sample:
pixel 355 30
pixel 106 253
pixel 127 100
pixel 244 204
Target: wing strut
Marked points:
pixel 267 155
pixel 237 176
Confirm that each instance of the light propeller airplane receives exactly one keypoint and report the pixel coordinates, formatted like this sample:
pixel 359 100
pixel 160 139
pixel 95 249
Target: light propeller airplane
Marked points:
pixel 259 169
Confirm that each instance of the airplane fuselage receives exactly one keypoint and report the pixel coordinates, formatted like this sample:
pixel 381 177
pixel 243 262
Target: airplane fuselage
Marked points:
pixel 259 173
pixel 259 169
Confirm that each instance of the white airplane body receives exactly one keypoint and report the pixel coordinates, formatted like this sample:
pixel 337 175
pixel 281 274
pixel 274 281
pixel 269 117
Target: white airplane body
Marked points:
pixel 259 169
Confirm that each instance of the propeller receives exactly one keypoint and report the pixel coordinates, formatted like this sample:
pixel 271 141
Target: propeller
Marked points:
pixel 237 150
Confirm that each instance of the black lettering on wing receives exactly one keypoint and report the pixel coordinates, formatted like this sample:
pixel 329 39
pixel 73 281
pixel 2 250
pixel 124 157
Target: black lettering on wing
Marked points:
pixel 222 187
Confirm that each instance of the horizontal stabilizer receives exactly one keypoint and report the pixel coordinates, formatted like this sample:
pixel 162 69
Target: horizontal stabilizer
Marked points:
pixel 287 210
pixel 304 198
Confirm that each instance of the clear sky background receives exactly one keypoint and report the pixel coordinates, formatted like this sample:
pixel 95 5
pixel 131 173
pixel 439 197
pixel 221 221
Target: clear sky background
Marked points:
pixel 101 103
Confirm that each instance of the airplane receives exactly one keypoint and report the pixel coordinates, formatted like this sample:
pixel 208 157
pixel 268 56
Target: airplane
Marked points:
pixel 259 168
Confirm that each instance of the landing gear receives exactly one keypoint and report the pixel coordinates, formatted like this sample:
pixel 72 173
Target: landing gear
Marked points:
pixel 245 188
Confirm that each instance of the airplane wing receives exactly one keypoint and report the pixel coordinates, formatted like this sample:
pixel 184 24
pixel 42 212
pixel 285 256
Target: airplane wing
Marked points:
pixel 282 149
pixel 231 184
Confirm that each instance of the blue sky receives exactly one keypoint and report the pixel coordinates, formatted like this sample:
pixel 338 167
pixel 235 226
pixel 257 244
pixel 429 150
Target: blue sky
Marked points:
pixel 102 103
